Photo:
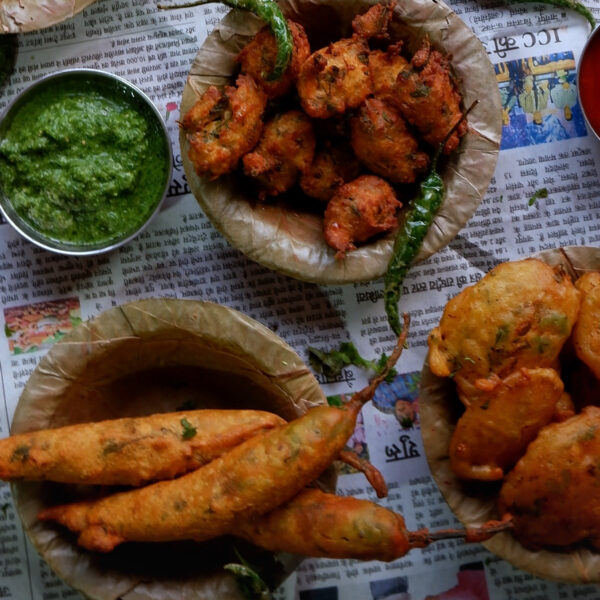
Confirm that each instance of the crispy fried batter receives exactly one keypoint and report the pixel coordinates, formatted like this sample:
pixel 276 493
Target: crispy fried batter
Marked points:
pixel 519 315
pixel 335 78
pixel 285 150
pixel 493 434
pixel 428 98
pixel 333 165
pixel 382 142
pixel 552 492
pixel 586 334
pixel 375 22
pixel 359 210
pixel 385 66
pixel 223 125
pixel 257 59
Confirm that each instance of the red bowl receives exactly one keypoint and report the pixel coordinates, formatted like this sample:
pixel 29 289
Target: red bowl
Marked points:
pixel 588 82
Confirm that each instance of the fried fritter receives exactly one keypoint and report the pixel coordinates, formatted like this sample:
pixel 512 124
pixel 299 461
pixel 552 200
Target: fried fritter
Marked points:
pixel 552 492
pixel 335 78
pixel 332 166
pixel 359 210
pixel 223 125
pixel 285 150
pixel 375 22
pixel 257 59
pixel 493 434
pixel 586 334
pixel 382 142
pixel 385 67
pixel 519 315
pixel 427 97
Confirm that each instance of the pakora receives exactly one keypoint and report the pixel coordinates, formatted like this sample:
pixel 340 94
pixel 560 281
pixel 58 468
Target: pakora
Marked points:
pixel 335 78
pixel 285 150
pixel 382 142
pixel 518 315
pixel 493 434
pixel 428 98
pixel 385 67
pixel 332 166
pixel 223 125
pixel 375 22
pixel 586 334
pixel 552 492
pixel 359 210
pixel 257 59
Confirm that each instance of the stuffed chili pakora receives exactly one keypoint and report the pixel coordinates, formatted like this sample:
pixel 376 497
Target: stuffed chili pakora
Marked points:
pixel 258 58
pixel 493 434
pixel 552 492
pixel 285 150
pixel 223 125
pixel 382 142
pixel 518 315
pixel 359 210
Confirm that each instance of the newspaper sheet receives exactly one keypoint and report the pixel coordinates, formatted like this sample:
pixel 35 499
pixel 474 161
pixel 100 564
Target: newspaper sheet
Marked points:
pixel 545 143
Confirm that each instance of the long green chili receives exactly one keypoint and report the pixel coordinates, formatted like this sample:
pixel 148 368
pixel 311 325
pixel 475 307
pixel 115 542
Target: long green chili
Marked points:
pixel 268 11
pixel 422 210
pixel 569 4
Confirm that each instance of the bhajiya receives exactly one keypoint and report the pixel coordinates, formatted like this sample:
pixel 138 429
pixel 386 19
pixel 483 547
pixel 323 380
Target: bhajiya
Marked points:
pixel 428 98
pixel 359 210
pixel 493 434
pixel 332 166
pixel 375 22
pixel 223 125
pixel 285 150
pixel 335 78
pixel 552 492
pixel 586 334
pixel 385 67
pixel 382 142
pixel 257 59
pixel 519 315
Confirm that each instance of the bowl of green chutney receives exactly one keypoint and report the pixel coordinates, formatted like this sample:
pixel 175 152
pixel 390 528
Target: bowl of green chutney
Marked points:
pixel 85 162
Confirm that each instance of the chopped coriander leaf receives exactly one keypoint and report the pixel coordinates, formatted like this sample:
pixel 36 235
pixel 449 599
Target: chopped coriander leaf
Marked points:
pixel 189 431
pixel 542 193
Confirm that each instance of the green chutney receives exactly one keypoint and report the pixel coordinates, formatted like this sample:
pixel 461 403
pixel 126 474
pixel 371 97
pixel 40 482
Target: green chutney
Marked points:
pixel 84 160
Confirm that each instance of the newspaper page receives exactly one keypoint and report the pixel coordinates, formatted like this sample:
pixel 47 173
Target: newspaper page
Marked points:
pixel 545 144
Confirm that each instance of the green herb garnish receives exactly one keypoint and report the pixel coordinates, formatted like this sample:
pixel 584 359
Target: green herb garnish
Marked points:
pixel 543 193
pixel 189 431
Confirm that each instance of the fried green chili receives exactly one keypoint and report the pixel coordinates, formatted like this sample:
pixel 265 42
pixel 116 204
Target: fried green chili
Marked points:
pixel 422 210
pixel 269 11
pixel 569 4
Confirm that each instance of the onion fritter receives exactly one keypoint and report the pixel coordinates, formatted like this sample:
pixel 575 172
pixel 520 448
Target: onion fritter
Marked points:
pixel 223 125
pixel 519 315
pixel 257 59
pixel 586 334
pixel 493 434
pixel 552 492
pixel 428 98
pixel 332 166
pixel 285 150
pixel 375 22
pixel 359 210
pixel 385 66
pixel 382 142
pixel 335 78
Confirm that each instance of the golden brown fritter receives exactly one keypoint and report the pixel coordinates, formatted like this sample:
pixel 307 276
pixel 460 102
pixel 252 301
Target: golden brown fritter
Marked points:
pixel 519 315
pixel 427 97
pixel 385 67
pixel 332 166
pixel 257 59
pixel 359 210
pixel 223 125
pixel 375 22
pixel 285 150
pixel 586 334
pixel 382 142
pixel 493 434
pixel 552 492
pixel 335 78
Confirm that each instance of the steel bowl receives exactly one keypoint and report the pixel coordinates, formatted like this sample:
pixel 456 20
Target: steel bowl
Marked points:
pixel 110 84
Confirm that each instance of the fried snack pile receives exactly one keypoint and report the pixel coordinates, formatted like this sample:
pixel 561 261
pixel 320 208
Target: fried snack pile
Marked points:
pixel 359 107
pixel 515 343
